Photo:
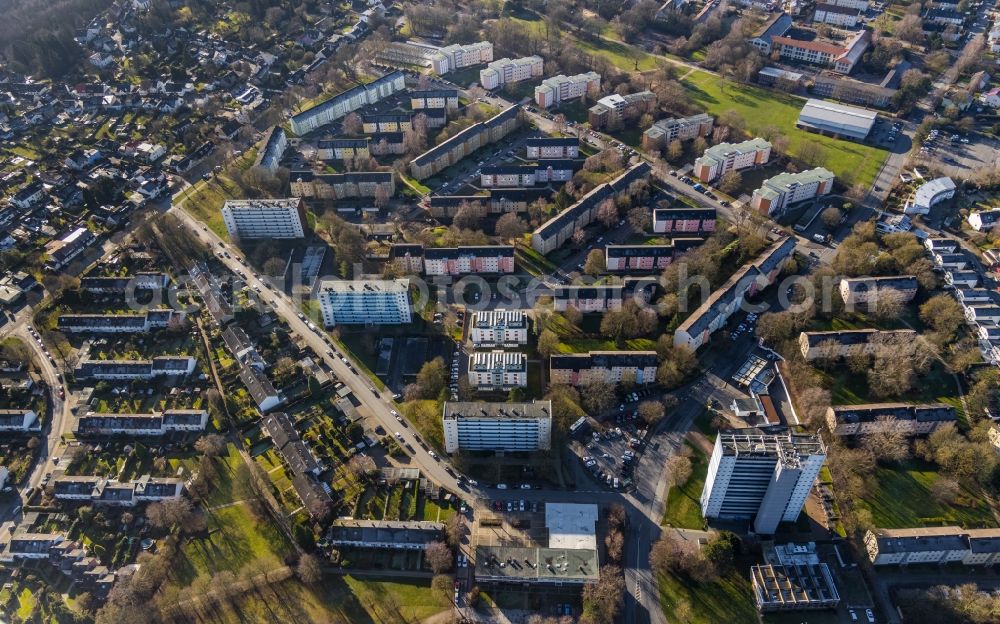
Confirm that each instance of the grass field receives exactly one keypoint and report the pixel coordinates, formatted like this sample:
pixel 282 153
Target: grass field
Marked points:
pixel 583 345
pixel 727 600
pixel 903 499
pixel 683 506
pixel 851 162
pixel 204 202
pixel 337 600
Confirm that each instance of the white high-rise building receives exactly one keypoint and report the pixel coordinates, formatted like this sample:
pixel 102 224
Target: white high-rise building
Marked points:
pixel 505 70
pixel 761 476
pixel 720 159
pixel 498 370
pixel 497 426
pixel 499 327
pixel 264 218
pixel 364 302
pixel 561 88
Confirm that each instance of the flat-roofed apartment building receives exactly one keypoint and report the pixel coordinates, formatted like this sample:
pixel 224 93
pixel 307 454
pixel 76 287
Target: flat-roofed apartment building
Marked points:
pixel 465 142
pixel 611 111
pixel 552 234
pixel 364 302
pixel 844 342
pixel 760 476
pixel 347 102
pixel 508 71
pixel 569 559
pixel 457 56
pixel 948 544
pixel 552 147
pixel 720 159
pixel 601 297
pixel 508 427
pixel 661 133
pixel 777 193
pixel 582 369
pixel 561 88
pixel 498 370
pixel 684 221
pixel 491 328
pixel 854 422
pixel 855 290
pixel 351 185
pixel 342 149
pixel 793 587
pixel 247 219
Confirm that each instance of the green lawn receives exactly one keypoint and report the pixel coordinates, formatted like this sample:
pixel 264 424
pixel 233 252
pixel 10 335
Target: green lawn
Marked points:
pixel 683 503
pixel 729 600
pixel 204 202
pixel 850 162
pixel 337 600
pixel 25 604
pixel 583 345
pixel 902 499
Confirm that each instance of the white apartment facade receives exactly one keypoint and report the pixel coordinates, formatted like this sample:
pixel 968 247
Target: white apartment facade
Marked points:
pixel 498 370
pixel 491 328
pixel 507 427
pixel 552 147
pixel 765 477
pixel 720 159
pixel 785 189
pixel 508 71
pixel 457 56
pixel 364 302
pixel 562 88
pixel 264 218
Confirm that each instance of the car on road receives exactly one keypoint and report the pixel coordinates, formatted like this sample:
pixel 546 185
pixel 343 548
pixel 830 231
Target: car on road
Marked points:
pixel 870 616
pixel 433 455
pixel 501 486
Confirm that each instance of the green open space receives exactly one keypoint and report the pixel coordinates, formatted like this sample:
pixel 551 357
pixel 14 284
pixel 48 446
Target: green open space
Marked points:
pixel 683 502
pixel 729 599
pixel 337 600
pixel 852 163
pixel 901 498
pixel 204 201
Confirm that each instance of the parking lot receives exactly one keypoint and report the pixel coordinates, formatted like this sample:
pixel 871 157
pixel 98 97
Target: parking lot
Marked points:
pixel 463 178
pixel 956 154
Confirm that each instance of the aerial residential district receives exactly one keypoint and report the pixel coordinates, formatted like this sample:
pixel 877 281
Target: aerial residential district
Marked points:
pixel 511 312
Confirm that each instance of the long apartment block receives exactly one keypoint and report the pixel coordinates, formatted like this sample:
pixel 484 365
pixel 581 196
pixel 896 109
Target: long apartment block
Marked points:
pixel 347 102
pixel 161 366
pixel 480 426
pixel 151 424
pixel 554 233
pixel 465 143
pixel 948 544
pixel 120 323
pixel 247 219
pixel 364 302
pixel 102 491
pixel 582 369
pixel 351 185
